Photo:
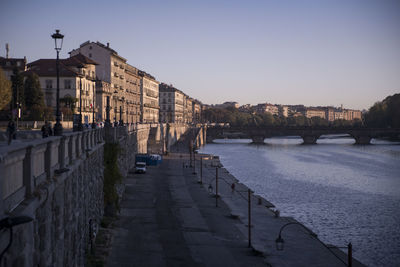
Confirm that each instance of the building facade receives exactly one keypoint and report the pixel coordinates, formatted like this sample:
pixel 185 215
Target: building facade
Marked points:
pixel 314 112
pixel 263 108
pixel 171 104
pixel 149 98
pixel 123 79
pixel 77 82
pixel 196 111
pixel 188 110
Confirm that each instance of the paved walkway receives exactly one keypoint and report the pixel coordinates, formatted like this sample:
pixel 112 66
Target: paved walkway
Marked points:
pixel 167 219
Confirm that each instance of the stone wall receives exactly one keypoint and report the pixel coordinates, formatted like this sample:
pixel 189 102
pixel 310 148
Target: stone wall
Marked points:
pixel 58 181
pixel 63 205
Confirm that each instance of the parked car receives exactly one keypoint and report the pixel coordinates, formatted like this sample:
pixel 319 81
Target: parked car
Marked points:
pixel 140 167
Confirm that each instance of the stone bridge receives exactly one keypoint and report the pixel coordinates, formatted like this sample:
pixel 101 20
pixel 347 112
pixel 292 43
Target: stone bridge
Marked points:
pixel 310 135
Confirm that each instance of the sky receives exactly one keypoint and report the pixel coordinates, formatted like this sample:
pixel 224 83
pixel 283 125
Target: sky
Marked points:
pixel 311 52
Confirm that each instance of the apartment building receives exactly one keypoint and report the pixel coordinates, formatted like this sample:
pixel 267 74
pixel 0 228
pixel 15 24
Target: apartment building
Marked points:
pixel 171 104
pixel 196 111
pixel 122 78
pixel 77 81
pixel 188 109
pixel 149 98
pixel 132 96
pixel 314 112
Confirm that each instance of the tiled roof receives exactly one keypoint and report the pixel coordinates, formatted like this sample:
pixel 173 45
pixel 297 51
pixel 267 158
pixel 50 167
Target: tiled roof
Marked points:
pixel 47 68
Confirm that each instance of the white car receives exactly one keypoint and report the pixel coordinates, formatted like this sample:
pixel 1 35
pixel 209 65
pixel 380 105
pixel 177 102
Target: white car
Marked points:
pixel 140 167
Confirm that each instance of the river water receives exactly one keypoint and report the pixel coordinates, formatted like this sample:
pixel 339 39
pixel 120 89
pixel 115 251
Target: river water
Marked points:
pixel 343 192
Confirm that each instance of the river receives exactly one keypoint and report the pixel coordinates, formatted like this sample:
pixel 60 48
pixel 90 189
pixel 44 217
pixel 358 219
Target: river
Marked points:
pixel 343 192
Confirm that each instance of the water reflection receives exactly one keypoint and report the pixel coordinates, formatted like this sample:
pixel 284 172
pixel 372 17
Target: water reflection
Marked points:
pixel 344 192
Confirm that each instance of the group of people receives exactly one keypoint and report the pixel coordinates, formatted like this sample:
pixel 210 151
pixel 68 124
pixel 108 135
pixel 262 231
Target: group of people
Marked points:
pixel 46 130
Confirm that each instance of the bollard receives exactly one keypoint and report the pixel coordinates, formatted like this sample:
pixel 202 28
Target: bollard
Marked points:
pixel 349 254
pixel 216 187
pixel 201 170
pixel 194 165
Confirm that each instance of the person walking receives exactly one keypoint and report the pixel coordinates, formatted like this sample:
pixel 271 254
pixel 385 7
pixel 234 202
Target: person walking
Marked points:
pixel 11 131
pixel 45 130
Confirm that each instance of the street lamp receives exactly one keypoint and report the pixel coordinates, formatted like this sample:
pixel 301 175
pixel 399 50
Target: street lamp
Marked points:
pixel 58 40
pixel 279 242
pixel 80 126
pixel 93 102
pixel 10 222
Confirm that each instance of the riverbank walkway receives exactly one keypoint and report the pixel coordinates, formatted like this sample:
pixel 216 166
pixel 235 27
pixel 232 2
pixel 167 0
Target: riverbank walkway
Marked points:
pixel 168 218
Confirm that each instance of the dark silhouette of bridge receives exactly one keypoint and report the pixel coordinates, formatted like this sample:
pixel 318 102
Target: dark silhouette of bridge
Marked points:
pixel 310 134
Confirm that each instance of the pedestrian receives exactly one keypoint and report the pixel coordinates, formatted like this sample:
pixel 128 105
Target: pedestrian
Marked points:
pixel 49 129
pixel 11 131
pixel 45 130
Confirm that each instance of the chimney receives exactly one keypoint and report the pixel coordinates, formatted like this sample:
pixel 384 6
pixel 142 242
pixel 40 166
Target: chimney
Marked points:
pixel 108 45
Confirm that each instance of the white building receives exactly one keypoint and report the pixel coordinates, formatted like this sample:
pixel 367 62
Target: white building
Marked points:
pixel 149 101
pixel 122 78
pixel 77 74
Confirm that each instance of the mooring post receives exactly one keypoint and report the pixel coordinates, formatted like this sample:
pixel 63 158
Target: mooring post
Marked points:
pixel 194 165
pixel 249 210
pixel 349 254
pixel 201 170
pixel 216 187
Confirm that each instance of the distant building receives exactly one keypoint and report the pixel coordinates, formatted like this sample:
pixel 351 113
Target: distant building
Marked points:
pixel 314 112
pixel 263 108
pixel 196 111
pixel 330 113
pixel 283 111
pixel 171 104
pixel 149 100
pixel 188 110
pixel 10 64
pixel 227 105
pixel 75 73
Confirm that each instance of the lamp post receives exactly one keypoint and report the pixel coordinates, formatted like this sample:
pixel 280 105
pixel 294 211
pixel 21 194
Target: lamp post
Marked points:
pixel 10 222
pixel 93 102
pixel 80 127
pixel 58 40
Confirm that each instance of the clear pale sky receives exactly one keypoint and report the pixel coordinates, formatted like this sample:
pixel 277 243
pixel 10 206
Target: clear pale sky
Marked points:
pixel 317 52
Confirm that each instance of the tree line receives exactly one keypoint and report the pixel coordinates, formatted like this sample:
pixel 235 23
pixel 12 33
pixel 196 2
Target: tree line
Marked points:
pixel 385 113
pixel 237 118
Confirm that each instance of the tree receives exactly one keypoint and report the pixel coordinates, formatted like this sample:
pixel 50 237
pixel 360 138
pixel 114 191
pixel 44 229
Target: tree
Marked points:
pixel 34 100
pixel 318 121
pixel 385 113
pixel 5 90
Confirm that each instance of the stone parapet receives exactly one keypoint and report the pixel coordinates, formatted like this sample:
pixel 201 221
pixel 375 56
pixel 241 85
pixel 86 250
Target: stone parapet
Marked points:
pixel 58 181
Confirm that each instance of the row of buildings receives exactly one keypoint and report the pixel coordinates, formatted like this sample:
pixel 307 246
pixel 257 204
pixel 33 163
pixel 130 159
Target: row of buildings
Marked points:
pixel 95 73
pixel 328 113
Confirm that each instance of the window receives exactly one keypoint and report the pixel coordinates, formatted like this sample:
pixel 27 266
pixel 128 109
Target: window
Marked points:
pixel 67 84
pixel 90 47
pixel 90 54
pixel 49 84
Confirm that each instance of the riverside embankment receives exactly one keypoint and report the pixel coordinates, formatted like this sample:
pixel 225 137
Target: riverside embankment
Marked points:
pixel 169 219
